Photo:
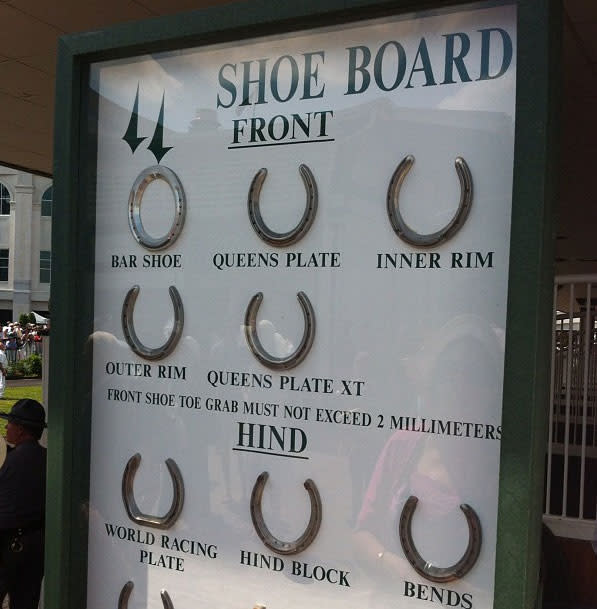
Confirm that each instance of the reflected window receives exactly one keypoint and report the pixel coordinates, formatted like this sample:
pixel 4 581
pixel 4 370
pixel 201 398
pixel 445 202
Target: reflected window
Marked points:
pixel 4 201
pixel 3 265
pixel 46 202
pixel 45 266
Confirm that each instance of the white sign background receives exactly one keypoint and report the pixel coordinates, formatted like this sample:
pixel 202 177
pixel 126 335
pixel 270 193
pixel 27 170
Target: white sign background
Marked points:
pixel 425 343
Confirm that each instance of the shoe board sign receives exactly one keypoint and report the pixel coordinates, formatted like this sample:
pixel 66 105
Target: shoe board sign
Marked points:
pixel 301 260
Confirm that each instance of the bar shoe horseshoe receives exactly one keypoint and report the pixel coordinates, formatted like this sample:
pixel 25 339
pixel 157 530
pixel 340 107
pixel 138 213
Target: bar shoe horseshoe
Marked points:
pixel 144 179
pixel 397 221
pixel 295 358
pixel 296 234
pixel 273 543
pixel 128 327
pixel 424 568
pixel 128 495
pixel 125 593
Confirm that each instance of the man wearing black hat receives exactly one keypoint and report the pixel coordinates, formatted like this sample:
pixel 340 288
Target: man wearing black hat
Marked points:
pixel 22 506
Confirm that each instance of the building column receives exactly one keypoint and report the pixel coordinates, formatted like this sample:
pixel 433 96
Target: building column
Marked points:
pixel 20 250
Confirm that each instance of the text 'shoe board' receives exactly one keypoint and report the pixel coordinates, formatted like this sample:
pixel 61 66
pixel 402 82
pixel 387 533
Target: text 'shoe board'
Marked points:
pixel 301 258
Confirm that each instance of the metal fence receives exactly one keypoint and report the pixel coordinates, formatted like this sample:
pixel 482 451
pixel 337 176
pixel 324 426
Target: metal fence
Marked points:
pixel 571 473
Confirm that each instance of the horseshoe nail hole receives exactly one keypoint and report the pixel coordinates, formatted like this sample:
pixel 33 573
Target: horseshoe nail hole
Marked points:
pixel 158 208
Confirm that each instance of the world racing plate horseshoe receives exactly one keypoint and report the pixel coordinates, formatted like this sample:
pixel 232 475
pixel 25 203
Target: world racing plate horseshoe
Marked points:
pixel 128 495
pixel 426 569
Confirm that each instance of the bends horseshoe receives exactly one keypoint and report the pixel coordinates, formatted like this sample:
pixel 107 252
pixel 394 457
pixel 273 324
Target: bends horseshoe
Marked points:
pixel 125 593
pixel 299 354
pixel 128 495
pixel 128 327
pixel 402 229
pixel 424 568
pixel 273 543
pixel 144 179
pixel 296 234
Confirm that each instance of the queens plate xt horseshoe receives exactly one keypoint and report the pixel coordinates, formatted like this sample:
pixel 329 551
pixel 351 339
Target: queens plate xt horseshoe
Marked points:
pixel 271 361
pixel 402 229
pixel 298 232
pixel 144 179
pixel 425 568
pixel 273 543
pixel 128 495
pixel 128 326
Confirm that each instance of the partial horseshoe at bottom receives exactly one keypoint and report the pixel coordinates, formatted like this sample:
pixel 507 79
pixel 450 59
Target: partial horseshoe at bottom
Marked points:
pixel 424 568
pixel 128 327
pixel 273 543
pixel 271 361
pixel 128 496
pixel 125 593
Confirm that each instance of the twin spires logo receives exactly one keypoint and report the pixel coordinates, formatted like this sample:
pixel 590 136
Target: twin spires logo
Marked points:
pixel 131 135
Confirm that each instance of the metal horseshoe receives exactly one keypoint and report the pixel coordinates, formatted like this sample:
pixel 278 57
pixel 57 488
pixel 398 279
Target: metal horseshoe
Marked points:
pixel 125 593
pixel 128 495
pixel 273 543
pixel 128 327
pixel 295 358
pixel 426 569
pixel 297 233
pixel 144 179
pixel 399 225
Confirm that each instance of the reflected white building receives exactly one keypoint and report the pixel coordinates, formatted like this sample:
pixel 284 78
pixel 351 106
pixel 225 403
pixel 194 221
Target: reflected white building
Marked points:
pixel 25 243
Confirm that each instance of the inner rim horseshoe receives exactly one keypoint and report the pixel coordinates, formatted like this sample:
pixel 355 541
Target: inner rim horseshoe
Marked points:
pixel 273 543
pixel 296 234
pixel 144 179
pixel 128 495
pixel 402 229
pixel 426 569
pixel 128 326
pixel 125 593
pixel 295 358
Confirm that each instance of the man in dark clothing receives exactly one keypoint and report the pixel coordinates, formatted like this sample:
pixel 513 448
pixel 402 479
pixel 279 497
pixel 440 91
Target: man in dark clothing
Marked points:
pixel 22 506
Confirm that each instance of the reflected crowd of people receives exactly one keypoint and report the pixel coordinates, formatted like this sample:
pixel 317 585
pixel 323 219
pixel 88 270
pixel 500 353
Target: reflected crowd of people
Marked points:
pixel 22 340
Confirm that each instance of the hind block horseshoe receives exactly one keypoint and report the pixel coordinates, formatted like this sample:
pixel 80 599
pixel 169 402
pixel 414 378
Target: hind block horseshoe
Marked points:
pixel 299 231
pixel 273 543
pixel 440 574
pixel 402 229
pixel 128 495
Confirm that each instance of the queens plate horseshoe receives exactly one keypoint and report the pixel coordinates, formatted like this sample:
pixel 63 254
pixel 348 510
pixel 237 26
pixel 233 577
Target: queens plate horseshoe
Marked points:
pixel 295 358
pixel 426 569
pixel 292 236
pixel 397 221
pixel 128 495
pixel 128 327
pixel 273 543
pixel 125 593
pixel 144 179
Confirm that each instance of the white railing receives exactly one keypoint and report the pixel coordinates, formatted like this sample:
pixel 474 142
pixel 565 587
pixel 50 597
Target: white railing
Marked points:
pixel 571 477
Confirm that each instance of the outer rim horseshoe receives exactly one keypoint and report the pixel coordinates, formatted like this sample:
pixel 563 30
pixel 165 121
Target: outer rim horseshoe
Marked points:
pixel 298 232
pixel 273 543
pixel 125 593
pixel 299 354
pixel 128 495
pixel 402 229
pixel 144 179
pixel 128 327
pixel 426 569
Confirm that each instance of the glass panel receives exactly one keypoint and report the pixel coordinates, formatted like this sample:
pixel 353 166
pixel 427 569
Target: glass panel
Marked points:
pixel 3 265
pixel 45 259
pixel 46 202
pixel 4 200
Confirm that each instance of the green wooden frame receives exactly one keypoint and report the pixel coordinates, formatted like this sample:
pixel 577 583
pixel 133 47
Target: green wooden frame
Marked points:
pixel 525 407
